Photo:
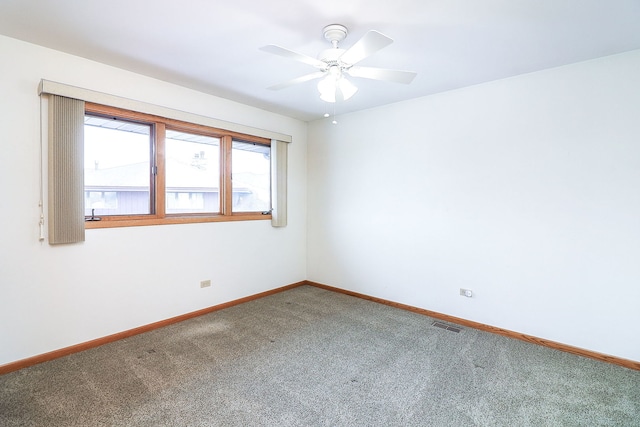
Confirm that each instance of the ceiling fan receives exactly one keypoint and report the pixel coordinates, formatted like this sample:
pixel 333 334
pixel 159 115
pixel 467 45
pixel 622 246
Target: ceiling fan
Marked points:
pixel 335 63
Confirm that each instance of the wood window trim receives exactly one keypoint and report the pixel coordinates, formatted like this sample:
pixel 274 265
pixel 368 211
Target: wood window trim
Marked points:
pixel 160 217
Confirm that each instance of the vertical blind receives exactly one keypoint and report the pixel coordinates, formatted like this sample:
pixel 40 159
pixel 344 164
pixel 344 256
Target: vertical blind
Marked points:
pixel 66 170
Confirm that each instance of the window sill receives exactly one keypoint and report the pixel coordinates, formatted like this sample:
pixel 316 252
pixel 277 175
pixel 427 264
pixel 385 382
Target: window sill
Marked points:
pixel 113 222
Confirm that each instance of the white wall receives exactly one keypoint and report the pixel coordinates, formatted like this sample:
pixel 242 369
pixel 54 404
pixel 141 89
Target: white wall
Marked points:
pixel 525 190
pixel 53 297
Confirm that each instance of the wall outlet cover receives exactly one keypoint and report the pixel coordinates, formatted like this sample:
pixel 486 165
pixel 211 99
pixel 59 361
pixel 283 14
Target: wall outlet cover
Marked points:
pixel 466 292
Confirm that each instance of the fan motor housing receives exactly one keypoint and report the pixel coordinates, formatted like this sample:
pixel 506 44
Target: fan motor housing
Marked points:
pixel 330 56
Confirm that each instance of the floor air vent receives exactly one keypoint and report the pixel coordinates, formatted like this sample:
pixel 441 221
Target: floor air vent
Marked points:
pixel 447 327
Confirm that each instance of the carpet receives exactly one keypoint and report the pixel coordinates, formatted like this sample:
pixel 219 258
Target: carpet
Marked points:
pixel 312 357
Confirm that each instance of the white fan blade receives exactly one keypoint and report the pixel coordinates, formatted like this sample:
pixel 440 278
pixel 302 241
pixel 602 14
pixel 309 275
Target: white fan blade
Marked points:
pixel 300 79
pixel 369 44
pixel 397 76
pixel 286 53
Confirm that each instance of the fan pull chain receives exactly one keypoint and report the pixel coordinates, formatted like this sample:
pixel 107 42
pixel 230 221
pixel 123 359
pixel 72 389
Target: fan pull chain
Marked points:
pixel 327 115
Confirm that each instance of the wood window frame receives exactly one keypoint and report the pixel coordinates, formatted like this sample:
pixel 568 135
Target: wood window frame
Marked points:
pixel 158 215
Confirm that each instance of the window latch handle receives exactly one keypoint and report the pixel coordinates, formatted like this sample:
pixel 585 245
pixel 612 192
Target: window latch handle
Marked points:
pixel 93 217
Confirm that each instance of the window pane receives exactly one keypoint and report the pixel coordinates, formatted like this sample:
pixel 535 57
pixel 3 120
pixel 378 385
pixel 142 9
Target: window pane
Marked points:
pixel 117 167
pixel 251 171
pixel 192 173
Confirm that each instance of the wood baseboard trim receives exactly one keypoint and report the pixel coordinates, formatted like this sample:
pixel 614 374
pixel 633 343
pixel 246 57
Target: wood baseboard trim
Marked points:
pixel 487 328
pixel 45 357
pixel 55 354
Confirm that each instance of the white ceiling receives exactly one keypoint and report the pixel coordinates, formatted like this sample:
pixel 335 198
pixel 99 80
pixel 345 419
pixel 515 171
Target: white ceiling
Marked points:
pixel 212 45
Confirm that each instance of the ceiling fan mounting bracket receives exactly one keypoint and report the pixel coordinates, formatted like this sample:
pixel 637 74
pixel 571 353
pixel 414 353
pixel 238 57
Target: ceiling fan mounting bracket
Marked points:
pixel 335 33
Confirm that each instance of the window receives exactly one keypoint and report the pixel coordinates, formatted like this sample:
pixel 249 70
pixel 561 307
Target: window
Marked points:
pixel 192 164
pixel 117 164
pixel 251 177
pixel 141 169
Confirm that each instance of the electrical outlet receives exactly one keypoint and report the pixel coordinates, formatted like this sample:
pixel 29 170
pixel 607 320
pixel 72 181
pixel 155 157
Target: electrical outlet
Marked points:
pixel 205 283
pixel 466 292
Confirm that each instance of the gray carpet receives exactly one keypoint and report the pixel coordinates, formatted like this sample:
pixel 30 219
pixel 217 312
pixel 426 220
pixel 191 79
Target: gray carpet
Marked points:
pixel 311 357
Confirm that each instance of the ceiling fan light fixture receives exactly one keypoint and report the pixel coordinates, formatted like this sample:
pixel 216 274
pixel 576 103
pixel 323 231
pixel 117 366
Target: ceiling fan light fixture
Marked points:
pixel 327 89
pixel 347 88
pixel 336 86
